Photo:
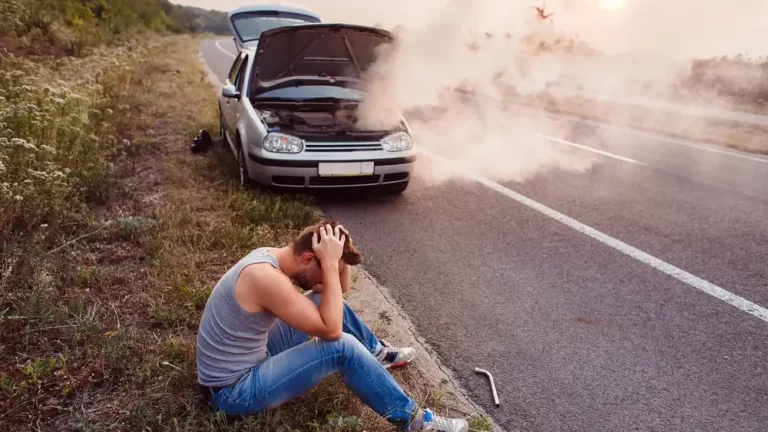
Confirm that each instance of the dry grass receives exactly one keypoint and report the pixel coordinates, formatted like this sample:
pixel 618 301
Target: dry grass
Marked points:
pixel 728 133
pixel 100 334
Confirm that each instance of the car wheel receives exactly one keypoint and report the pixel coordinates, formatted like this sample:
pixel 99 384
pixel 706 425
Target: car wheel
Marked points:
pixel 244 176
pixel 222 132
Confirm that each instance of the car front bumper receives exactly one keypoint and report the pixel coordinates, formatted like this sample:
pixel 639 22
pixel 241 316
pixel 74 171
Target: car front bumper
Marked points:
pixel 284 171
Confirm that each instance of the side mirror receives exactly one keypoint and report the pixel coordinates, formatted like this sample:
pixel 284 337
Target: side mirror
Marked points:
pixel 230 92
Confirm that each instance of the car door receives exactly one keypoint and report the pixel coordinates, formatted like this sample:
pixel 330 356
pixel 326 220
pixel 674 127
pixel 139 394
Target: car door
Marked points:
pixel 236 105
pixel 241 80
pixel 229 106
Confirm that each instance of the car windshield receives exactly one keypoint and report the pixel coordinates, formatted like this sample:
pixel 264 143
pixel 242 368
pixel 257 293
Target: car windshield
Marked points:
pixel 310 92
pixel 250 26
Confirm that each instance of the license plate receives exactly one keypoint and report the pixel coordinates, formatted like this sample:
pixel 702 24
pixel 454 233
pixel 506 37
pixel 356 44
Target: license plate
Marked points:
pixel 345 169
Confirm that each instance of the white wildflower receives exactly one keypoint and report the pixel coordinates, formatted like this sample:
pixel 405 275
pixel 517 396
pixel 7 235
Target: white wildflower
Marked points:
pixel 39 174
pixel 23 143
pixel 48 149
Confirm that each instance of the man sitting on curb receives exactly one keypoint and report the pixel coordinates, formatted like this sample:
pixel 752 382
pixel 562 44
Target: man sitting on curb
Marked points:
pixel 262 343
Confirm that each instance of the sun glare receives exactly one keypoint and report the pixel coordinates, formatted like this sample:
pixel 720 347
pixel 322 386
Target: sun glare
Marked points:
pixel 611 4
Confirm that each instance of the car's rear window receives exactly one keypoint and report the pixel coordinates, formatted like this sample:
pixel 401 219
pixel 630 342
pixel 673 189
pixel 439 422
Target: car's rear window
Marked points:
pixel 250 25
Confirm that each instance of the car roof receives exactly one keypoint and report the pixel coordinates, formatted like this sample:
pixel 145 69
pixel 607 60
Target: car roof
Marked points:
pixel 281 7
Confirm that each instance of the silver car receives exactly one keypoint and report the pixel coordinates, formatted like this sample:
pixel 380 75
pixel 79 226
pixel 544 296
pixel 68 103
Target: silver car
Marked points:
pixel 289 112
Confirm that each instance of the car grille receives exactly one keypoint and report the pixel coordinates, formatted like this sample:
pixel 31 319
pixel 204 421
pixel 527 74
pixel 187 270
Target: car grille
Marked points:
pixel 288 180
pixel 395 177
pixel 330 147
pixel 344 181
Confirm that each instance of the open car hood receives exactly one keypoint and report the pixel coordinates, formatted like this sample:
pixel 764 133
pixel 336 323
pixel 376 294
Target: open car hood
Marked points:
pixel 315 52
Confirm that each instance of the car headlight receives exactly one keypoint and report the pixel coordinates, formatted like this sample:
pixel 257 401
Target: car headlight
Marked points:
pixel 280 143
pixel 397 142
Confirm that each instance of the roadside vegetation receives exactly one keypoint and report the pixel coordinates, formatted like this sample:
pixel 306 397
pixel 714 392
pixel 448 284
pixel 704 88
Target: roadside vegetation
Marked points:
pixel 112 234
pixel 71 27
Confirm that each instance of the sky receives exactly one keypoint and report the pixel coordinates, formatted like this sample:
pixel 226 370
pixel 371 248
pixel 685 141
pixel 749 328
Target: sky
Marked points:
pixel 677 28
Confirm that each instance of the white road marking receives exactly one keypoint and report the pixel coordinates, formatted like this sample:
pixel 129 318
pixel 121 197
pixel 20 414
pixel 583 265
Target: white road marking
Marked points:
pixel 594 150
pixel 222 49
pixel 687 143
pixel 679 274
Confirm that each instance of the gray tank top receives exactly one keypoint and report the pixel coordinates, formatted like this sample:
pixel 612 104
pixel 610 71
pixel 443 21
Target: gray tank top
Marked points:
pixel 230 341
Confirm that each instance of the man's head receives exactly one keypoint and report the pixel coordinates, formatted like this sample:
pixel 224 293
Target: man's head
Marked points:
pixel 310 273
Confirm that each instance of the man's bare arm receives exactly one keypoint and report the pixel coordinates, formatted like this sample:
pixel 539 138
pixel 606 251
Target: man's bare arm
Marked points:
pixel 277 294
pixel 328 247
pixel 346 278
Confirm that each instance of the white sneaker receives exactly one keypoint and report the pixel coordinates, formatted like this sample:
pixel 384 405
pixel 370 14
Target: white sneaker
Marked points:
pixel 391 357
pixel 433 422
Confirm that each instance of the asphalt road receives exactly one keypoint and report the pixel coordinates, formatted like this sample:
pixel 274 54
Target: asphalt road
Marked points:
pixel 581 332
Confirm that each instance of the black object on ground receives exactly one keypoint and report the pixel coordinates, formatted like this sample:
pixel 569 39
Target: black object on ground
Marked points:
pixel 202 142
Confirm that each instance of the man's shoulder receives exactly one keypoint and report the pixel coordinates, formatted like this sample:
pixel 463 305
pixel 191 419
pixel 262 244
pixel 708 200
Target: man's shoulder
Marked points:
pixel 257 282
pixel 259 273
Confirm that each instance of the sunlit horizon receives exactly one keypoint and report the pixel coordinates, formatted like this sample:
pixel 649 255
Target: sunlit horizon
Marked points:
pixel 611 4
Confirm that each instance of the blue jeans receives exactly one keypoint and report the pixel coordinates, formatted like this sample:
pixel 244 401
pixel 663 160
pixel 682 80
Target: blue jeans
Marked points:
pixel 295 364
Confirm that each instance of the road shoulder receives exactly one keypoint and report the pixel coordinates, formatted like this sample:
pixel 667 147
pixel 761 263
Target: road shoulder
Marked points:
pixel 427 375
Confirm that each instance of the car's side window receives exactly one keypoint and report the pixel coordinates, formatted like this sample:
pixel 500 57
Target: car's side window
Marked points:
pixel 235 68
pixel 241 74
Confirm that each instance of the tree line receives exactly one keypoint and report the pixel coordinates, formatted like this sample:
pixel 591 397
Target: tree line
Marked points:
pixel 68 27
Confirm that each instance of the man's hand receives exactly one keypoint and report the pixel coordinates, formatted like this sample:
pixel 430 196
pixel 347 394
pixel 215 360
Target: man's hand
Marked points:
pixel 330 245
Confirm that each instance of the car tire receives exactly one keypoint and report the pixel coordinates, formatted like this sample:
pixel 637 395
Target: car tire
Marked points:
pixel 244 176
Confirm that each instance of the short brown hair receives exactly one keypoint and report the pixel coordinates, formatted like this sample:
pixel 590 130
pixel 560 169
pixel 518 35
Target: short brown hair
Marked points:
pixel 303 243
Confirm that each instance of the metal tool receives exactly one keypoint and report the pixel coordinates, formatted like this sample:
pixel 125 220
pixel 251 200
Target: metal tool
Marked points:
pixel 493 386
